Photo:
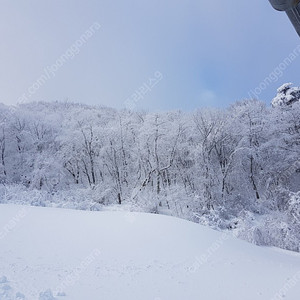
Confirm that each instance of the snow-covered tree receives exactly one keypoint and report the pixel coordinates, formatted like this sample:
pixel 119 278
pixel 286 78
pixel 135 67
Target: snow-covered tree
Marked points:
pixel 286 95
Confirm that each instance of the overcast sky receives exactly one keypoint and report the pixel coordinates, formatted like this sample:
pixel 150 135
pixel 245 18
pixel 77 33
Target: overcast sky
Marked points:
pixel 209 53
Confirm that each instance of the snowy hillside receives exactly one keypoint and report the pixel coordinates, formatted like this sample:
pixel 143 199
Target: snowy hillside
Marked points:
pixel 227 168
pixel 82 255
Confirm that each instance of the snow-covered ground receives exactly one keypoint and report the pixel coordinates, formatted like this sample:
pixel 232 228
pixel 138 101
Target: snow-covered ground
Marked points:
pixel 81 255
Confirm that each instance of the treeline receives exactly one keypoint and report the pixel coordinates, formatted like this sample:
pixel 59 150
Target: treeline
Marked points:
pixel 225 168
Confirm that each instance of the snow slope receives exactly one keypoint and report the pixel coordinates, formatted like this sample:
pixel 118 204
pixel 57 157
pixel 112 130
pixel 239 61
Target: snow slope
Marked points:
pixel 82 255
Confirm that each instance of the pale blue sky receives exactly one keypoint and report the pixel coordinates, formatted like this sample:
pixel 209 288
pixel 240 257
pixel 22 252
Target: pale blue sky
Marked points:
pixel 210 54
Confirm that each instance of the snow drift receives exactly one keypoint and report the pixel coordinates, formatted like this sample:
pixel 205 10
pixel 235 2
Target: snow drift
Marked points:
pixel 48 253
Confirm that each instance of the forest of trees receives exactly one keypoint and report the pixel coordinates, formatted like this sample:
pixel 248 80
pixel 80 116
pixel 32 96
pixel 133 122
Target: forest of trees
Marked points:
pixel 233 169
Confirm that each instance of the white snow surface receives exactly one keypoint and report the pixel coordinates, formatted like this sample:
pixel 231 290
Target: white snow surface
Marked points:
pixel 51 253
